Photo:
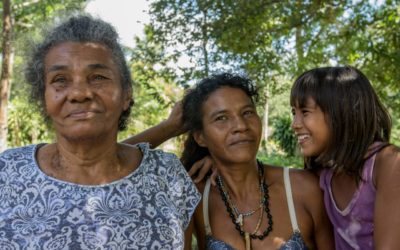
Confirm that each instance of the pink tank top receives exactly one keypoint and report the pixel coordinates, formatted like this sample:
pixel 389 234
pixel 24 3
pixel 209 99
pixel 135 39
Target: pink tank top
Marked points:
pixel 353 226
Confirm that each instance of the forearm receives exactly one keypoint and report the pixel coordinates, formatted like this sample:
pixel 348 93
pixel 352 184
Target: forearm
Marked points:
pixel 155 135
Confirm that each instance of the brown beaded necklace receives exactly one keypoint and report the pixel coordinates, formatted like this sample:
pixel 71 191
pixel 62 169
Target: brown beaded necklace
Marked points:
pixel 227 202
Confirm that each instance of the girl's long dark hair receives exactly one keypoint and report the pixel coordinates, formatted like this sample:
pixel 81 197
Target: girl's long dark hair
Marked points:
pixel 353 111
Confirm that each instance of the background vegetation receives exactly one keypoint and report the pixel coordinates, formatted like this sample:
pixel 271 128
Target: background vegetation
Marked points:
pixel 270 41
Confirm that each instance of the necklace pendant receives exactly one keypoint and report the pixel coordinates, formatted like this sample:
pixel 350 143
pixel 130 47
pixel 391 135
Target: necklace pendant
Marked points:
pixel 239 220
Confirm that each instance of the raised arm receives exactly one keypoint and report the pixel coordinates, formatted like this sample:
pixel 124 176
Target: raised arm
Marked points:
pixel 165 130
pixel 387 202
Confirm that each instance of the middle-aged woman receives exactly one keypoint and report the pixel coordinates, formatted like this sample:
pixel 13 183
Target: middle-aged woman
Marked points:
pixel 254 205
pixel 85 190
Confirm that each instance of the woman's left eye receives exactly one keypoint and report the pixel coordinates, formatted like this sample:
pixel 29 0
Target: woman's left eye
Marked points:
pixel 99 77
pixel 248 112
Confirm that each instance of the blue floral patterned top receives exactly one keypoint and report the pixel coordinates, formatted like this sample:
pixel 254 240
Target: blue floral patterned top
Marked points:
pixel 148 209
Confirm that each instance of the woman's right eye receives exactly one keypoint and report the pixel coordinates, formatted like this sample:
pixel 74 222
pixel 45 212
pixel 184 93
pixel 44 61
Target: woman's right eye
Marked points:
pixel 59 82
pixel 220 118
pixel 59 79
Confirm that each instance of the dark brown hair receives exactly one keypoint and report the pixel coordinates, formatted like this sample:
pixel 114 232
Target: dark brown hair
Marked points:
pixel 353 112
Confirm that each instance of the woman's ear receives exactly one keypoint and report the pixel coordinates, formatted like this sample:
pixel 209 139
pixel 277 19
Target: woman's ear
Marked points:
pixel 199 138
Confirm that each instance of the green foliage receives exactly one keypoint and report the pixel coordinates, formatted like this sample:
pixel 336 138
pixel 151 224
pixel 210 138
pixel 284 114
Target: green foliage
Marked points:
pixel 284 135
pixel 281 160
pixel 271 41
pixel 395 138
pixel 25 124
pixel 185 27
pixel 30 15
pixel 154 90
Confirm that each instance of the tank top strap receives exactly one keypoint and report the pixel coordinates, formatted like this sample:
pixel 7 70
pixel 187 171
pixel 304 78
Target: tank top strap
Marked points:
pixel 368 169
pixel 289 198
pixel 375 147
pixel 369 164
pixel 206 194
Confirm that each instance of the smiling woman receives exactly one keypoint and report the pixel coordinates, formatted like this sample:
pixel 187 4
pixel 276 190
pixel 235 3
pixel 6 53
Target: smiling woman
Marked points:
pixel 86 190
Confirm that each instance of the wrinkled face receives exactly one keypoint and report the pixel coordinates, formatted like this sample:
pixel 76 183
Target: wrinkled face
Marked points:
pixel 231 126
pixel 311 128
pixel 83 91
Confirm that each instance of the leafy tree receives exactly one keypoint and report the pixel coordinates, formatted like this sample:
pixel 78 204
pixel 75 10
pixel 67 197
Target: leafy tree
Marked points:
pixel 26 127
pixel 155 89
pixel 373 46
pixel 275 41
pixel 5 80
pixel 19 18
pixel 186 28
pixel 254 37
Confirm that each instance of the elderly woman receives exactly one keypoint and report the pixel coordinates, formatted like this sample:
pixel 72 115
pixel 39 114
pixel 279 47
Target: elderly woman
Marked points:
pixel 85 190
pixel 254 205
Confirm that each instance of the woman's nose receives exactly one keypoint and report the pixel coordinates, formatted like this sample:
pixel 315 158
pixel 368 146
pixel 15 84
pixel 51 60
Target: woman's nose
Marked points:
pixel 80 91
pixel 240 124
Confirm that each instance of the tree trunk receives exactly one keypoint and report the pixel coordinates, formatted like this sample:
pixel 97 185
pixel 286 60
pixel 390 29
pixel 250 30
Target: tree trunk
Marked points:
pixel 205 42
pixel 5 79
pixel 299 43
pixel 266 118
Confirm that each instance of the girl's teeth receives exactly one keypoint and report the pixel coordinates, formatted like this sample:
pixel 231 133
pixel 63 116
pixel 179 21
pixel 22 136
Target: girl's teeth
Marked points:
pixel 303 137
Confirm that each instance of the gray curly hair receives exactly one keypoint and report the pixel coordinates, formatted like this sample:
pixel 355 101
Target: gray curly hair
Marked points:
pixel 82 28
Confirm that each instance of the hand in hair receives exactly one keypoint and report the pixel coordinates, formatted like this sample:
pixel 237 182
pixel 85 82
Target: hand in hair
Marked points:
pixel 175 120
pixel 165 130
pixel 200 169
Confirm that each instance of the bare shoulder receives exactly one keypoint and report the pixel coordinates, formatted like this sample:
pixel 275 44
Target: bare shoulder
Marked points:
pixel 304 181
pixel 389 154
pixel 127 148
pixel 306 191
pixel 130 156
pixel 387 164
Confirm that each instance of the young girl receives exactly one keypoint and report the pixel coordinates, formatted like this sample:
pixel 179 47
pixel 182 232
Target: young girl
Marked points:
pixel 343 131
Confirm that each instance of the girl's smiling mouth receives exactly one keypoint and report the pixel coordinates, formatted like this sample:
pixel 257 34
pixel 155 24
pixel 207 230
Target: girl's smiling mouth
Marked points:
pixel 301 138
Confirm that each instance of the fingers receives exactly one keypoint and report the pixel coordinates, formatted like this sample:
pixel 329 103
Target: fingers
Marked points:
pixel 175 118
pixel 200 169
pixel 207 164
pixel 213 176
pixel 195 167
pixel 176 112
